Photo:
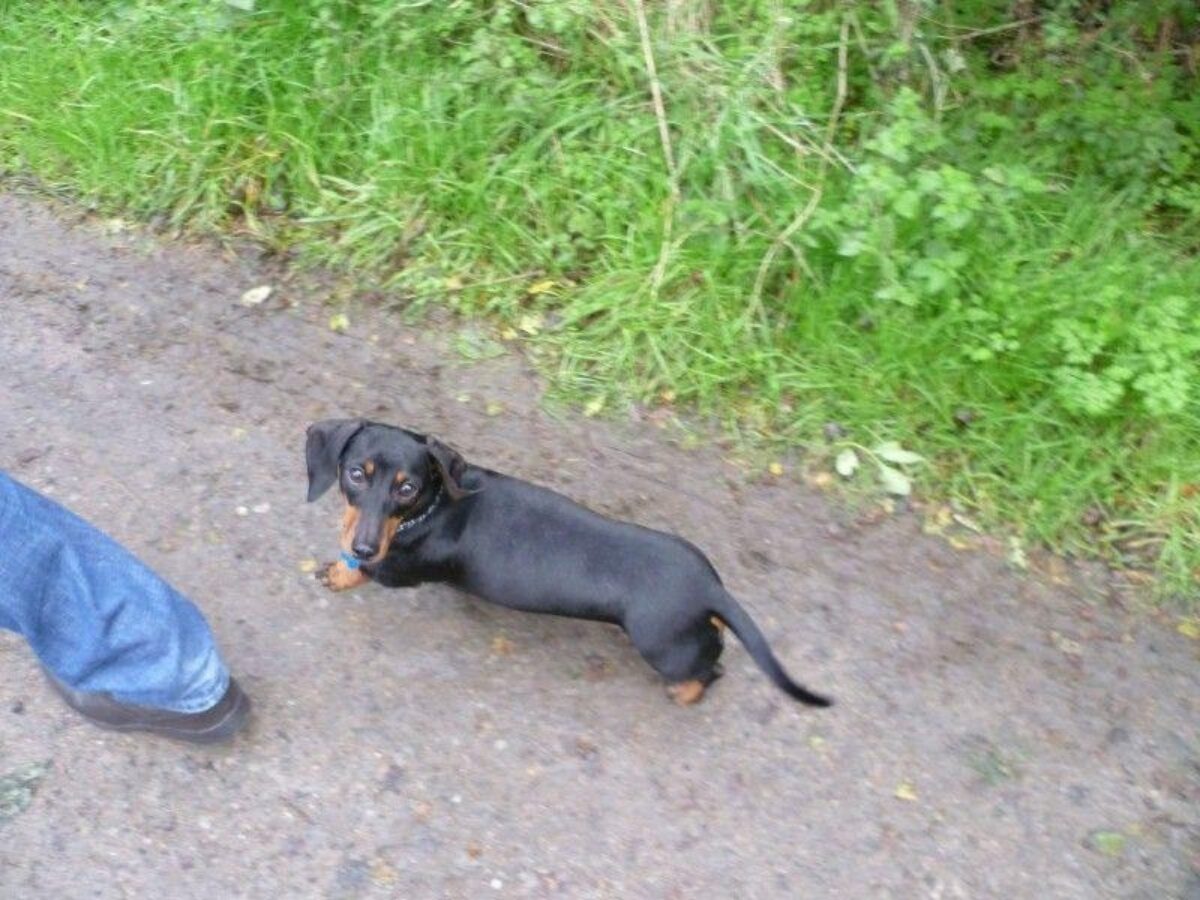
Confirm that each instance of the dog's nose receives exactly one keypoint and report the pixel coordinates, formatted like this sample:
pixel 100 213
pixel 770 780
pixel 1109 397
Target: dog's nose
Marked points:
pixel 364 551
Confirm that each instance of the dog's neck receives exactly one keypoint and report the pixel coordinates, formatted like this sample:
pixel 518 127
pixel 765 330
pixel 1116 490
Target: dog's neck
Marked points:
pixel 423 514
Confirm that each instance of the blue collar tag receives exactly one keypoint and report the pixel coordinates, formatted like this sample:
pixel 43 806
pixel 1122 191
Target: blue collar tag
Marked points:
pixel 350 562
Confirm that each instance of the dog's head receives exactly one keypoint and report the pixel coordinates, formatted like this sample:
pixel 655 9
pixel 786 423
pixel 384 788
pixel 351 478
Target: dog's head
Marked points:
pixel 387 476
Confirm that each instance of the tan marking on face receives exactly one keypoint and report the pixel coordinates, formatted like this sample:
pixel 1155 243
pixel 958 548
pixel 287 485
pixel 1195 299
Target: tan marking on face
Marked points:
pixel 339 577
pixel 718 624
pixel 685 693
pixel 389 532
pixel 349 524
pixel 400 478
pixel 369 468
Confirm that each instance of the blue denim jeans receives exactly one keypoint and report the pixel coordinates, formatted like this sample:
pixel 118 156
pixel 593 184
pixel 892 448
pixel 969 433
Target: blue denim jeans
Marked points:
pixel 97 618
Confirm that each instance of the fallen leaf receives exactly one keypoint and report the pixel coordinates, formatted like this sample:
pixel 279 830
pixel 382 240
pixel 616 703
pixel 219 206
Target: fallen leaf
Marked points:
pixel 894 453
pixel 308 566
pixel 256 295
pixel 775 469
pixel 530 324
pixel 906 791
pixel 821 480
pixel 1189 628
pixel 969 524
pixel 454 283
pixel 816 742
pixel 1066 644
pixel 339 322
pixel 382 873
pixel 18 787
pixel 502 646
pixel 541 287
pixel 846 463
pixel 1110 843
pixel 1016 554
pixel 507 333
pixel 894 481
pixel 593 407
pixel 493 408
pixel 667 396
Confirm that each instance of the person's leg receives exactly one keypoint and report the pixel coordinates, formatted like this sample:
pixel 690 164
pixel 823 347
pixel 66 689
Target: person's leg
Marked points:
pixel 99 620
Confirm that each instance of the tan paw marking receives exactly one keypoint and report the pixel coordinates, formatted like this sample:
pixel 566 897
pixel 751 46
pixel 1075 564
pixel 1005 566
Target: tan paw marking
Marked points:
pixel 685 693
pixel 337 576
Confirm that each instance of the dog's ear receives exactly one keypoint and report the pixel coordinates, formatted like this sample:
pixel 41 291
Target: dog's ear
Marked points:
pixel 451 465
pixel 323 449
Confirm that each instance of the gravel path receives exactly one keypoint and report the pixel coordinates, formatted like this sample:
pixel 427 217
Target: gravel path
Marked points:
pixel 996 734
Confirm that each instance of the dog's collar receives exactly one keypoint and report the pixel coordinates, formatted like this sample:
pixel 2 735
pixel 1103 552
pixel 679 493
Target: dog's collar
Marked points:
pixel 425 513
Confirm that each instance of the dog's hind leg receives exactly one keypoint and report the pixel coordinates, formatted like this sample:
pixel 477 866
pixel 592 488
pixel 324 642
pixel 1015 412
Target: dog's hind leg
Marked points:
pixel 687 659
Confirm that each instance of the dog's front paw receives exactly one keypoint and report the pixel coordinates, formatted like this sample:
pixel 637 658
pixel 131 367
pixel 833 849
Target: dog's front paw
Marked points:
pixel 337 576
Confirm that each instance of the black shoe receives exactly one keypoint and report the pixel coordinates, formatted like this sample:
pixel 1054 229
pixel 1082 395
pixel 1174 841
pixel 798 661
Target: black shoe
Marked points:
pixel 210 726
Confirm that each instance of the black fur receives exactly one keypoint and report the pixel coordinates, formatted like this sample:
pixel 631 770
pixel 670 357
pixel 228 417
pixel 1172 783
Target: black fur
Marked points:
pixel 529 548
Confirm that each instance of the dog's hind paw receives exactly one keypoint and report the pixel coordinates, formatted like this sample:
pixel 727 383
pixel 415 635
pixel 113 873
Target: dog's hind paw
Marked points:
pixel 685 693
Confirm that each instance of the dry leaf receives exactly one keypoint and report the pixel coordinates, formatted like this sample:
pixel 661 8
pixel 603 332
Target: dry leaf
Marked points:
pixel 542 287
pixel 775 469
pixel 530 324
pixel 821 480
pixel 1065 644
pixel 493 408
pixel 846 463
pixel 1189 628
pixel 594 407
pixel 256 295
pixel 308 566
pixel 894 453
pixel 502 646
pixel 339 322
pixel 906 791
pixel 894 481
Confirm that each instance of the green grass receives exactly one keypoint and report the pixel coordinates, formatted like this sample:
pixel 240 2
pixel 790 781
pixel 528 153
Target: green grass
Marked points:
pixel 1014 245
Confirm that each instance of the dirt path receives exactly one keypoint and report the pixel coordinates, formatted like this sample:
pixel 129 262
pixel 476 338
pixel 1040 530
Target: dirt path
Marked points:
pixel 423 745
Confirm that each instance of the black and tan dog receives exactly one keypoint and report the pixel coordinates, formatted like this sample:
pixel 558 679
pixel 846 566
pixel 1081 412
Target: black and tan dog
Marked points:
pixel 417 512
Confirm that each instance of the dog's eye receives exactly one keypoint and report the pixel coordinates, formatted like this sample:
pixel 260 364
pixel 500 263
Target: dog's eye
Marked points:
pixel 356 475
pixel 406 490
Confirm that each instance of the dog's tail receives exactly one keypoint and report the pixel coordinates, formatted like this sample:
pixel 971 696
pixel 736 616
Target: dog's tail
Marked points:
pixel 729 611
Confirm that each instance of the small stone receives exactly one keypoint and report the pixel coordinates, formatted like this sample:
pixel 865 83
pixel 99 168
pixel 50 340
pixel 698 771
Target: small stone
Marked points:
pixel 497 884
pixel 18 707
pixel 964 417
pixel 500 744
pixel 1117 735
pixel 242 511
